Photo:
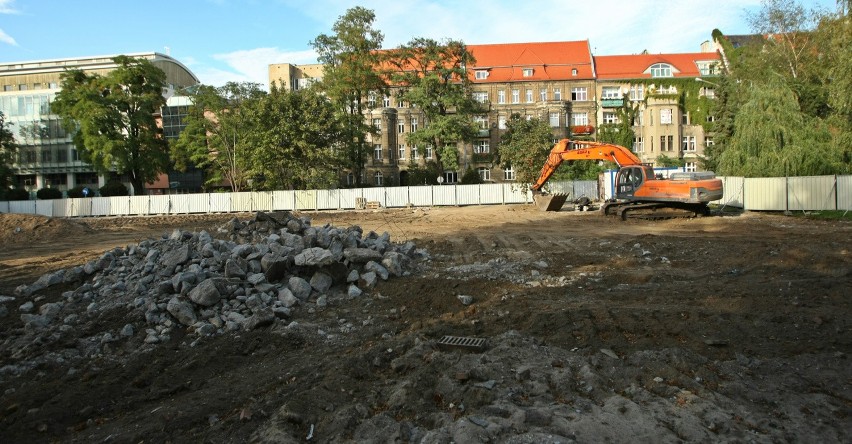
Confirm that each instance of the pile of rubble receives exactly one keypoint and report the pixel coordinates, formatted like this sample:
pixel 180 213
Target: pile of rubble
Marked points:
pixel 246 275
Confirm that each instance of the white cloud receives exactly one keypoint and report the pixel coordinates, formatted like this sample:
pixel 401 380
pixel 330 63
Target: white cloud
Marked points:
pixel 7 7
pixel 250 65
pixel 7 39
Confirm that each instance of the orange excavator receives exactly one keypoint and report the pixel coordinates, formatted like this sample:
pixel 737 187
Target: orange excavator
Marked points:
pixel 638 191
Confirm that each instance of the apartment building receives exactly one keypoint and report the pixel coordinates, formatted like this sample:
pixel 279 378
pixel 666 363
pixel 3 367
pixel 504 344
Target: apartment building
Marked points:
pixel 558 82
pixel 670 97
pixel 47 155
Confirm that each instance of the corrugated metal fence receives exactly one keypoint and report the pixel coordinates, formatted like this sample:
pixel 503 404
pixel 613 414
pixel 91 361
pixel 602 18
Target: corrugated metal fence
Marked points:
pixel 773 194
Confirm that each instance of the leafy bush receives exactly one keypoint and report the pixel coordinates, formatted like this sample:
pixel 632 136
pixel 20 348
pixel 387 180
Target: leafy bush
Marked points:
pixel 114 188
pixel 78 191
pixel 16 194
pixel 471 177
pixel 49 193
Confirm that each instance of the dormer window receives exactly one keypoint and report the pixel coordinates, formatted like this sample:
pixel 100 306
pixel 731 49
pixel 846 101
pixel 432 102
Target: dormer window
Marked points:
pixel 574 72
pixel 528 72
pixel 661 70
pixel 481 74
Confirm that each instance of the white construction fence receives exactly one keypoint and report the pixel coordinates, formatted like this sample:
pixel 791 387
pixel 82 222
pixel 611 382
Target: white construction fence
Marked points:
pixel 770 194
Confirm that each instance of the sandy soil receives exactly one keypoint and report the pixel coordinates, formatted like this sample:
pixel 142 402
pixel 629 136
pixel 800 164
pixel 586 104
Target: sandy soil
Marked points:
pixel 717 329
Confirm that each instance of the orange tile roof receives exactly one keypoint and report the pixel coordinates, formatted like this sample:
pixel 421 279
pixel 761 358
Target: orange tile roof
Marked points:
pixel 634 66
pixel 549 61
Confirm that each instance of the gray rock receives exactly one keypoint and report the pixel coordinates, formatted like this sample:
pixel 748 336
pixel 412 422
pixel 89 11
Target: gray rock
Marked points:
pixel 286 297
pixel 354 291
pixel 259 319
pixel 314 257
pixel 50 310
pixel 127 331
pixel 235 267
pixel 353 276
pixel 377 268
pixel 177 256
pixel 26 307
pixel 465 299
pixel 395 262
pixel 274 266
pixel 321 282
pixel 368 280
pixel 361 255
pixel 206 293
pixel 182 311
pixel 300 288
pixel 256 278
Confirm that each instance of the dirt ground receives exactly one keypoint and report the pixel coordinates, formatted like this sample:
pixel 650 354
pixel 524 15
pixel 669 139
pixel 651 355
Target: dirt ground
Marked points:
pixel 716 329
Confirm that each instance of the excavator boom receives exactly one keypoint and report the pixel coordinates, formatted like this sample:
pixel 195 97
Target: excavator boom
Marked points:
pixel 567 149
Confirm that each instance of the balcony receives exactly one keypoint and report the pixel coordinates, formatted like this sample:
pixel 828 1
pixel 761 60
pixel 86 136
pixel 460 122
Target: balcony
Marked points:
pixel 612 103
pixel 483 157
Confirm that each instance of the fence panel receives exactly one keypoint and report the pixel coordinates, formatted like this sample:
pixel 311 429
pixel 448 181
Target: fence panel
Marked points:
pixel 306 199
pixel 22 206
pixel 443 195
pixel 375 195
pixel 490 194
pixel 766 194
pixel 811 193
pixel 561 187
pixel 420 196
pixel 80 207
pixel 328 199
pixel 844 193
pixel 283 200
pixel 515 194
pixel 397 197
pixel 467 194
pixel 347 197
pixel 140 205
pixel 586 188
pixel 159 204
pixel 61 207
pixel 242 202
pixel 220 202
pixel 733 189
pixel 4 207
pixel 44 207
pixel 261 201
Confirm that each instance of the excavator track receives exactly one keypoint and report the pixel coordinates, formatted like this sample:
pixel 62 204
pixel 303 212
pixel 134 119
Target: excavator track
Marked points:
pixel 654 211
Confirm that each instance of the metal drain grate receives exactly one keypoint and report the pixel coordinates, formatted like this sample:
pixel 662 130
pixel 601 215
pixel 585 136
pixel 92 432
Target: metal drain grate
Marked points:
pixel 462 342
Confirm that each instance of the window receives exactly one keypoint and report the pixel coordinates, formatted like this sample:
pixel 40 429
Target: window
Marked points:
pixel 75 155
pixel 637 92
pixel 480 96
pixel 28 156
pixel 501 122
pixel 711 118
pixel 610 118
pixel 611 92
pixel 684 118
pixel 379 178
pixel 413 124
pixel 528 72
pixel 501 96
pixel 574 72
pixel 401 151
pixel 708 141
pixel 557 93
pixel 579 94
pixel 638 119
pixel 667 89
pixel 62 155
pixel 481 122
pixel 481 75
pixel 689 167
pixel 47 156
pixel 451 177
pixel 516 96
pixel 509 173
pixel 661 70
pixel 400 126
pixel 666 116
pixel 529 96
pixel 688 143
pixel 578 119
pixel 377 152
pixel 386 101
pixel 481 147
pixel 663 143
pixel 415 153
pixel 56 179
pixel 671 143
pixel 554 120
pixel 53 85
pixel 638 145
pixel 22 87
pixel 371 100
pixel 350 179
pixel 8 88
pixel 707 68
pixel 377 124
pixel 484 173
pixel 428 151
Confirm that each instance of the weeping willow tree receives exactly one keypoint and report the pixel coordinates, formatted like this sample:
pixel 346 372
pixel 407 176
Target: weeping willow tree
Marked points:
pixel 773 137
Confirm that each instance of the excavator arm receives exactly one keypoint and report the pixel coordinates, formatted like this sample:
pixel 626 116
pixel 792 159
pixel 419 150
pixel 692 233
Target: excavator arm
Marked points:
pixel 567 149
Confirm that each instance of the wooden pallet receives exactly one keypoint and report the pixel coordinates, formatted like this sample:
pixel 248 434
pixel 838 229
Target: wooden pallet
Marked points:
pixel 373 205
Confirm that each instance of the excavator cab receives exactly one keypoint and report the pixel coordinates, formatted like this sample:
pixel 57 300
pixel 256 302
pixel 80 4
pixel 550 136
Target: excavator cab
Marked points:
pixel 629 179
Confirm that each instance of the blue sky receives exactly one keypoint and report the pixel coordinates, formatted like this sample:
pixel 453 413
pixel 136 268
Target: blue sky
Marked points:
pixel 235 40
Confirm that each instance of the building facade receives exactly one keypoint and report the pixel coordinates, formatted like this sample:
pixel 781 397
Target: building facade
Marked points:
pixel 561 83
pixel 47 156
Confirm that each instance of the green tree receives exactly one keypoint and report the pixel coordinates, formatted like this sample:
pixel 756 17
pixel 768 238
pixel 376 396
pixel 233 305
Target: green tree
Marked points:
pixel 433 77
pixel 113 117
pixel 8 150
pixel 668 162
pixel 524 147
pixel 217 133
pixel 621 132
pixel 296 140
pixel 350 59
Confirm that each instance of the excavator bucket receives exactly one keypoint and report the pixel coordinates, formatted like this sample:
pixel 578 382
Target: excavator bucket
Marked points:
pixel 549 202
